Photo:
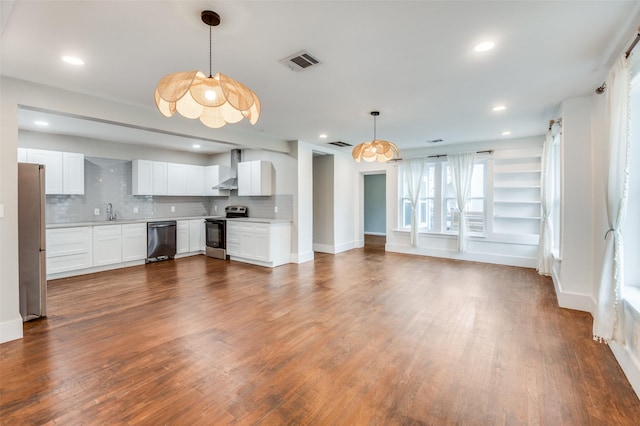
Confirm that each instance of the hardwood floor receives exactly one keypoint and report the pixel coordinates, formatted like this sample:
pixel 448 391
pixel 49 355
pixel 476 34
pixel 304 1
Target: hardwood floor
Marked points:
pixel 363 337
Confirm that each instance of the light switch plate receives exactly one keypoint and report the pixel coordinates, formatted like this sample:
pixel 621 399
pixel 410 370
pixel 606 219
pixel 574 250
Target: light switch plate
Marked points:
pixel 96 212
pixel 173 209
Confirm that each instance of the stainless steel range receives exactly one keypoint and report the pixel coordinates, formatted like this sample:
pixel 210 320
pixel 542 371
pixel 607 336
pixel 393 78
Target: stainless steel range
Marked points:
pixel 216 231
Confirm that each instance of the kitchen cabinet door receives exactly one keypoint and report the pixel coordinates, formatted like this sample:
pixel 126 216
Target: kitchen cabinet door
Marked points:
pixel 244 179
pixel 73 173
pixel 182 236
pixel 195 180
pixel 196 235
pixel 254 178
pixel 159 178
pixel 52 161
pixel 134 241
pixel 261 242
pixel 176 179
pixel 107 245
pixel 142 177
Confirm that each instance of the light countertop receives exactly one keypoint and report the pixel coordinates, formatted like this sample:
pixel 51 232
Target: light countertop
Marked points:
pixel 160 219
pixel 124 221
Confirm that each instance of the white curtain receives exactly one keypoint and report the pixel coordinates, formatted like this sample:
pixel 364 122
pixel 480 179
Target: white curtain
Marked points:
pixel 462 166
pixel 545 248
pixel 413 171
pixel 609 319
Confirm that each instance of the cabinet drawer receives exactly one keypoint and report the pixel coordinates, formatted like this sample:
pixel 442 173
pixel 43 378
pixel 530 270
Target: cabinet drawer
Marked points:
pixel 68 241
pixel 68 263
pixel 107 230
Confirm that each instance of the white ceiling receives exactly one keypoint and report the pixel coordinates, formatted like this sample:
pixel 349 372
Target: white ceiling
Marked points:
pixel 411 60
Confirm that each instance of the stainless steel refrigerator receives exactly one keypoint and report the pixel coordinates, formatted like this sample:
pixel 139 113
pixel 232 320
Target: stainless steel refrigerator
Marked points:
pixel 31 241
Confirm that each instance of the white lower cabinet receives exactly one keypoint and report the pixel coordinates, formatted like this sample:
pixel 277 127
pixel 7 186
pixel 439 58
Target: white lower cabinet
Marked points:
pixel 196 235
pixel 182 236
pixel 69 249
pixel 107 245
pixel 266 244
pixel 134 241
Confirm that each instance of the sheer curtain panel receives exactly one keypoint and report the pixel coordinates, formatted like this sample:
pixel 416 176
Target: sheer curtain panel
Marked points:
pixel 414 169
pixel 609 319
pixel 462 166
pixel 545 248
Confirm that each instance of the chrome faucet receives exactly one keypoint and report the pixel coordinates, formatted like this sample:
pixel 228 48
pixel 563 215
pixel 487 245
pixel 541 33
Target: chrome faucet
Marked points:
pixel 110 214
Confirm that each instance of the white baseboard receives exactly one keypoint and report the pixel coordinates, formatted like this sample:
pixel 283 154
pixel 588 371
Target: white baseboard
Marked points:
pixel 629 364
pixel 569 300
pixel 335 249
pixel 11 330
pixel 302 257
pixel 378 234
pixel 525 262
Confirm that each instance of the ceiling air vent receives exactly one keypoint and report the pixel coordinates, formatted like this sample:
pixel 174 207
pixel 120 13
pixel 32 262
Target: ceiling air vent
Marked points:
pixel 299 61
pixel 340 144
pixel 435 141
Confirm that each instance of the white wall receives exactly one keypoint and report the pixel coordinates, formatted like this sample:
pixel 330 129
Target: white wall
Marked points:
pixel 574 274
pixel 302 231
pixel 346 202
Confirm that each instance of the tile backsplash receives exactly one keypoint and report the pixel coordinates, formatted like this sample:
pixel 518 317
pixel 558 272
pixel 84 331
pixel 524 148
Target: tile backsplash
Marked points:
pixel 109 181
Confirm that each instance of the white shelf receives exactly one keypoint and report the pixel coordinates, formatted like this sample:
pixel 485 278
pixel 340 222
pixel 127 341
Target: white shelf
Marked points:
pixel 517 217
pixel 509 172
pixel 516 202
pixel 517 186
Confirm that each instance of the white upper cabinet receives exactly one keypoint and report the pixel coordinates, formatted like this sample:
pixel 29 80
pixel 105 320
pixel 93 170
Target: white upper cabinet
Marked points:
pixel 213 175
pixel 52 161
pixel 64 171
pixel 176 179
pixel 254 178
pixel 142 177
pixel 159 178
pixel 195 180
pixel 72 173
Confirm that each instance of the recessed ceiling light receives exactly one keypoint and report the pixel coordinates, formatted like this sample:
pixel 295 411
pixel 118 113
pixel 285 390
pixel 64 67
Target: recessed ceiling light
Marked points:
pixel 195 145
pixel 322 136
pixel 73 60
pixel 499 108
pixel 40 123
pixel 506 133
pixel 484 46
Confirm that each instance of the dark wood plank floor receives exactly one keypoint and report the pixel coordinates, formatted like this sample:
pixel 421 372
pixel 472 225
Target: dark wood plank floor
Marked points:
pixel 363 337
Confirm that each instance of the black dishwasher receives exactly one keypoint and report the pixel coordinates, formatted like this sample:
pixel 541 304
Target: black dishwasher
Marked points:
pixel 161 240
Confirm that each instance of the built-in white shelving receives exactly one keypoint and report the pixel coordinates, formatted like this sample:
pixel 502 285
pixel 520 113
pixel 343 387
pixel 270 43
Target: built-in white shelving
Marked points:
pixel 516 205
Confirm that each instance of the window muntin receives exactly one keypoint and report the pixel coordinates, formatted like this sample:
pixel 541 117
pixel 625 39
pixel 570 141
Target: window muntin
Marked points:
pixel 437 205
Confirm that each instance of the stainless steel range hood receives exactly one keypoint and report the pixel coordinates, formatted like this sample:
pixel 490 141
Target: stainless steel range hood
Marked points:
pixel 232 181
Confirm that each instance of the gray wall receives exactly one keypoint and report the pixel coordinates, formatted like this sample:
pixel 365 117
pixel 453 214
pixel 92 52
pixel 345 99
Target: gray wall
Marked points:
pixel 375 214
pixel 323 194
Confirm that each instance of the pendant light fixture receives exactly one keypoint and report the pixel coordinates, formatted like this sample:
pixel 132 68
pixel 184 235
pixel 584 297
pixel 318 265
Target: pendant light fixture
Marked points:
pixel 376 150
pixel 215 100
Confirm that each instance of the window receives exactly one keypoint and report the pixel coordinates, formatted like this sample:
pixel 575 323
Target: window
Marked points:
pixel 437 206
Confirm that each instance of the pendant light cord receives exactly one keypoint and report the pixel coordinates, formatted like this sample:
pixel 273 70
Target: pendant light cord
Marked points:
pixel 210 51
pixel 374 127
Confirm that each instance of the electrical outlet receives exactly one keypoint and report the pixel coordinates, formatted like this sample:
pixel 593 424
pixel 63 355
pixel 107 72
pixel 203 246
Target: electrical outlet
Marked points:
pixel 173 209
pixel 96 212
pixel 215 208
pixel 135 210
pixel 275 209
